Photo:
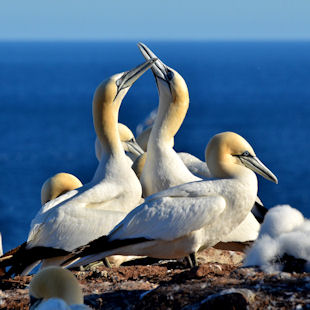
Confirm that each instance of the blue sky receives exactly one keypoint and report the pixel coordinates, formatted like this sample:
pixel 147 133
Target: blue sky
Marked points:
pixel 154 20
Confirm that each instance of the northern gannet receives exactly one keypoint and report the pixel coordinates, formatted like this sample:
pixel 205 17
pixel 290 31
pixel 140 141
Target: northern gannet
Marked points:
pixel 83 214
pixel 190 217
pixel 55 288
pixel 164 168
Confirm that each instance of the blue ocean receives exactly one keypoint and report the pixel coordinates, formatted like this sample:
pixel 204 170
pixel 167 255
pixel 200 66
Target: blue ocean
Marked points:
pixel 260 90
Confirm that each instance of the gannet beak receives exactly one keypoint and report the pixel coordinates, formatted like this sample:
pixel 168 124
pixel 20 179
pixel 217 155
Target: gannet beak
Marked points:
pixel 134 147
pixel 129 77
pixel 253 163
pixel 159 69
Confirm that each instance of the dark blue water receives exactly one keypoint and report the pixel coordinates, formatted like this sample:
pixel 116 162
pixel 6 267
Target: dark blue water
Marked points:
pixel 259 90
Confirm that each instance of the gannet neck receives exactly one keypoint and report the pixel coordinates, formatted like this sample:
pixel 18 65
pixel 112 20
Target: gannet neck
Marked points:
pixel 56 282
pixel 173 106
pixel 57 185
pixel 129 143
pixel 106 103
pixel 105 117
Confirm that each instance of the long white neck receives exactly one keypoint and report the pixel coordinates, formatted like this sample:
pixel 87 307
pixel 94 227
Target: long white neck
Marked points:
pixel 105 116
pixel 171 113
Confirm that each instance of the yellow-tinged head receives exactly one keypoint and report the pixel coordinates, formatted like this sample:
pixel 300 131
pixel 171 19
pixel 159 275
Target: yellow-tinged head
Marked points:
pixel 57 185
pixel 227 151
pixel 55 282
pixel 107 99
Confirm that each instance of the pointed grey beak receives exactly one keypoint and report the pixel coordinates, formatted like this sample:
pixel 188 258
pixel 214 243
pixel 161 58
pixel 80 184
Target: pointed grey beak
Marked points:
pixel 257 166
pixel 133 147
pixel 129 77
pixel 159 69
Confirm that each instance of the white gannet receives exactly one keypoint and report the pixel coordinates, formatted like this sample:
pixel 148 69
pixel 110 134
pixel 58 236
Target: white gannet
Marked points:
pixel 164 167
pixel 83 214
pixel 131 147
pixel 63 182
pixel 55 288
pixel 190 217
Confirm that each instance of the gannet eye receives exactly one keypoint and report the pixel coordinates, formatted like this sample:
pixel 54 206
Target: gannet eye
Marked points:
pixel 246 154
pixel 132 140
pixel 169 74
pixel 118 83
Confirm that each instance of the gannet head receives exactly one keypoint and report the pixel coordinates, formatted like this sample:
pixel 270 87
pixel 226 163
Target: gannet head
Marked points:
pixel 169 81
pixel 57 185
pixel 115 88
pixel 54 282
pixel 227 151
pixel 128 140
pixel 107 100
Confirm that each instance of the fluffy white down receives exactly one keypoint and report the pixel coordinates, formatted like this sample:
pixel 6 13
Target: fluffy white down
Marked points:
pixel 284 230
pixel 281 219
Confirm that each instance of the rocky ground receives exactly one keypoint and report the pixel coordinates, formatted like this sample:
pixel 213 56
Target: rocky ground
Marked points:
pixel 218 283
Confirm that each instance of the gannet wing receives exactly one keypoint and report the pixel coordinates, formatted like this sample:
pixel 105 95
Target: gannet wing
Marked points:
pixel 58 200
pixel 71 226
pixel 196 166
pixel 191 189
pixel 168 218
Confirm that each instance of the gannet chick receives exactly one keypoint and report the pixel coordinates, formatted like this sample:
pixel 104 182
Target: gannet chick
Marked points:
pixel 190 217
pixel 129 143
pixel 55 288
pixel 283 242
pixel 83 214
pixel 58 185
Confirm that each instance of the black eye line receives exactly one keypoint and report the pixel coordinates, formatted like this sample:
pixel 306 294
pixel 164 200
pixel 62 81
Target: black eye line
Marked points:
pixel 244 154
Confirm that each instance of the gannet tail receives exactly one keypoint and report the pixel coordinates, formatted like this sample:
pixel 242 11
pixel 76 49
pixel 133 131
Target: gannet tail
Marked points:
pixel 19 258
pixel 259 210
pixel 101 245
